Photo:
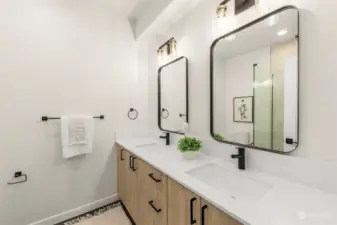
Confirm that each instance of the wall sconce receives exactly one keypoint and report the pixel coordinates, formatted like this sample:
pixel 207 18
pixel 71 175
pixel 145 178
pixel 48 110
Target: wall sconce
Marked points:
pixel 167 51
pixel 221 10
pixel 224 24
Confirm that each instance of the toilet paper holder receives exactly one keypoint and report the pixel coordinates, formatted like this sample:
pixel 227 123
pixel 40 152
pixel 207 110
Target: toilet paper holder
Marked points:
pixel 17 175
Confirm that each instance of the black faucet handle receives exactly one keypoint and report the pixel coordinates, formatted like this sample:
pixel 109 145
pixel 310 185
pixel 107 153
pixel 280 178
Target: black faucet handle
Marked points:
pixel 167 137
pixel 241 156
pixel 236 156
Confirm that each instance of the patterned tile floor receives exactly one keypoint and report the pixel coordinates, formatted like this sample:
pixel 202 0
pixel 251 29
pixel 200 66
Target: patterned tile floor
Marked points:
pixel 112 214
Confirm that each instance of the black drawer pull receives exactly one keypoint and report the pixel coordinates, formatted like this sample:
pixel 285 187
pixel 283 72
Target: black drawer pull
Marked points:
pixel 203 209
pixel 122 150
pixel 153 178
pixel 153 207
pixel 193 221
pixel 130 161
pixel 133 163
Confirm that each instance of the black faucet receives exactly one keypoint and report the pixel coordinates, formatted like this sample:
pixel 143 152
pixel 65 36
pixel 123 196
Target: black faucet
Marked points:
pixel 241 157
pixel 167 137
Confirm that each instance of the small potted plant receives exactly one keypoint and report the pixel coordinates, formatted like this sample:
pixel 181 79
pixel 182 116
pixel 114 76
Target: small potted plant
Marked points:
pixel 189 146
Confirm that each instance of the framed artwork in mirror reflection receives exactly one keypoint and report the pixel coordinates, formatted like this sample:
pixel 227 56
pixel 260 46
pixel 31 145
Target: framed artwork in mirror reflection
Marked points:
pixel 243 109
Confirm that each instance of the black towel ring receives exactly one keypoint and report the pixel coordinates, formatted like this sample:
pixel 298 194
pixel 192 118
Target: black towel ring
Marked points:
pixel 129 114
pixel 165 110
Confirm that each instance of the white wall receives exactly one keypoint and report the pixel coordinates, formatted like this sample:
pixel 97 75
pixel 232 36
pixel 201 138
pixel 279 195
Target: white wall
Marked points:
pixel 61 58
pixel 317 77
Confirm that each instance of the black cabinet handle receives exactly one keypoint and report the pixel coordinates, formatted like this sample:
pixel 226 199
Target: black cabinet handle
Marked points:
pixel 153 207
pixel 152 177
pixel 122 150
pixel 130 161
pixel 133 163
pixel 203 209
pixel 193 221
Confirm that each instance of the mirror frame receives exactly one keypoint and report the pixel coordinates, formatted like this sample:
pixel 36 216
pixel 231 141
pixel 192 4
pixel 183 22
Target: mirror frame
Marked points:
pixel 159 94
pixel 212 79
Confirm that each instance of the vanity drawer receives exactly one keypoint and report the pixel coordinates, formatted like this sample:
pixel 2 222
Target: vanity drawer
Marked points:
pixel 154 180
pixel 153 208
pixel 154 202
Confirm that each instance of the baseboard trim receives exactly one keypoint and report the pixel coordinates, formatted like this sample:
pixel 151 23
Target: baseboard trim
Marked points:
pixel 77 211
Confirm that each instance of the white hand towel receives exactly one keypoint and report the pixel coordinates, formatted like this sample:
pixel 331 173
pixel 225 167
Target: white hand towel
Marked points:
pixel 77 135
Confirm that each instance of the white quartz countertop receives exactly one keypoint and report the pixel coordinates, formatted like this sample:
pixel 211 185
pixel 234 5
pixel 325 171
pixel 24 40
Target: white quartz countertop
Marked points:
pixel 285 203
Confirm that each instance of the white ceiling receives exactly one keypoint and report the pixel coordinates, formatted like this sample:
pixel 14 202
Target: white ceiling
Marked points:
pixel 140 7
pixel 120 6
pixel 170 14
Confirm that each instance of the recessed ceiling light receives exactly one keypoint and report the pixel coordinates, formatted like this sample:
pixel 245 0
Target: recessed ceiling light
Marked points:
pixel 273 20
pixel 282 32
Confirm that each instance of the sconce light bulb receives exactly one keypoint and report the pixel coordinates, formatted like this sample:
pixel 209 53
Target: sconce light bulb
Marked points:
pixel 222 9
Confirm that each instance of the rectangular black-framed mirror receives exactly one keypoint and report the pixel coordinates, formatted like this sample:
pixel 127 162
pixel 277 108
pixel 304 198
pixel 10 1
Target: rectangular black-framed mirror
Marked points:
pixel 254 84
pixel 173 110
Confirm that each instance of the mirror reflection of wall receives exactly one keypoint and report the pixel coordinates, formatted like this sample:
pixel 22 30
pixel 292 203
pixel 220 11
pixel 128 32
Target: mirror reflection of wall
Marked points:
pixel 255 84
pixel 173 96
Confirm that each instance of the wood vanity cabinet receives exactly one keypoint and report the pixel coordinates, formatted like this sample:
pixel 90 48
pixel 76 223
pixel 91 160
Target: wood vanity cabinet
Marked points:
pixel 183 206
pixel 152 205
pixel 187 208
pixel 126 179
pixel 142 188
pixel 122 162
pixel 128 173
pixel 154 199
pixel 211 215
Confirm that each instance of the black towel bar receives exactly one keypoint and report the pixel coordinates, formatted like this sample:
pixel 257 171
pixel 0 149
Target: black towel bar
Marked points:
pixel 46 118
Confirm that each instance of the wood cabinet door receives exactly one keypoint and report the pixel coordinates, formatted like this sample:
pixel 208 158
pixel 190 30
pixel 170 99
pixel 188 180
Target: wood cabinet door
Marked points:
pixel 122 162
pixel 132 185
pixel 152 196
pixel 127 183
pixel 211 215
pixel 183 206
pixel 127 172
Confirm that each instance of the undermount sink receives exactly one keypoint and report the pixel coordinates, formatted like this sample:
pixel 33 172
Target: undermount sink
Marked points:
pixel 146 145
pixel 236 185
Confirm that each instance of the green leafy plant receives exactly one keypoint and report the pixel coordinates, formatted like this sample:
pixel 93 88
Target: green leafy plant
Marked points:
pixel 219 137
pixel 189 144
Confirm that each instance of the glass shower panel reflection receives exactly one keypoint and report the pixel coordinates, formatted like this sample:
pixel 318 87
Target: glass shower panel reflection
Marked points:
pixel 263 105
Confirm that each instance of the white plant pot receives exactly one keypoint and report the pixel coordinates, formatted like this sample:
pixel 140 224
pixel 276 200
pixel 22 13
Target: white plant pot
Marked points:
pixel 189 155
